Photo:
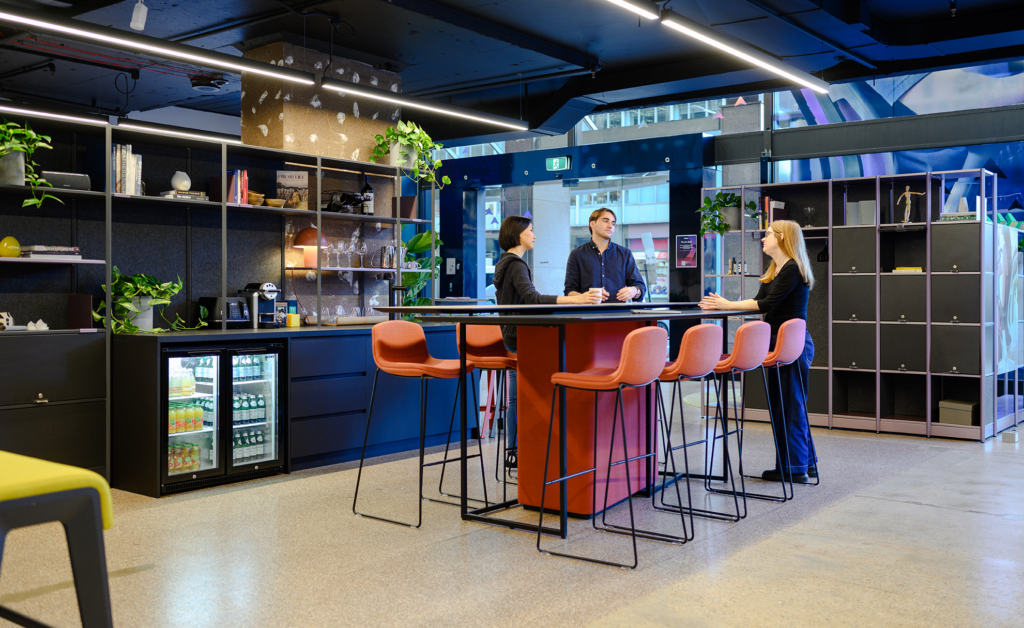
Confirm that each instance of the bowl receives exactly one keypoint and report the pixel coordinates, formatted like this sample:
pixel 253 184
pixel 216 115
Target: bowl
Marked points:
pixel 275 202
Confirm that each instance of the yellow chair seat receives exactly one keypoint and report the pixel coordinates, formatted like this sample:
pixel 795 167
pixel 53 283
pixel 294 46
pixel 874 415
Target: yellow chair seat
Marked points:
pixel 21 476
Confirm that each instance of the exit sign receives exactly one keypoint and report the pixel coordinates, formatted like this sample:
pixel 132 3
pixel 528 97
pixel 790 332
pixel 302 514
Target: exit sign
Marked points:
pixel 558 163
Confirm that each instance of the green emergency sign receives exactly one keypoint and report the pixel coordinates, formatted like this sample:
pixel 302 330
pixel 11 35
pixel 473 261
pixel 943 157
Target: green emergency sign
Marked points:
pixel 555 164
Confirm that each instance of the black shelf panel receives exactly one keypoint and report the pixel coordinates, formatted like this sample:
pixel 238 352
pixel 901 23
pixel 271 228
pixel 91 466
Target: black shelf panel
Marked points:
pixel 162 200
pixel 903 226
pixel 58 192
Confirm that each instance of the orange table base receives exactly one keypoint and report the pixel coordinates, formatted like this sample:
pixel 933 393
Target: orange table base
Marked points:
pixel 587 346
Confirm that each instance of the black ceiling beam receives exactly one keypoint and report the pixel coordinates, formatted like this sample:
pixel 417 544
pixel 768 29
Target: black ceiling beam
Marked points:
pixel 946 28
pixel 497 31
pixel 232 25
pixel 133 72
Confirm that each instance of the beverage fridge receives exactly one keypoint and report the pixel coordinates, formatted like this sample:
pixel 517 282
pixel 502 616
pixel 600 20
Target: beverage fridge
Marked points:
pixel 222 411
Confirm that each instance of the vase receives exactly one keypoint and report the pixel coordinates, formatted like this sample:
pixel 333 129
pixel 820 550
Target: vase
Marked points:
pixel 144 319
pixel 181 182
pixel 12 169
pixel 733 217
pixel 407 162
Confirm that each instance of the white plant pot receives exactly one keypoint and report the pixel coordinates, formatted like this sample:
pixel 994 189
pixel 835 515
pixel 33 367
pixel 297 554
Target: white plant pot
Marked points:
pixel 144 320
pixel 405 163
pixel 12 169
pixel 181 181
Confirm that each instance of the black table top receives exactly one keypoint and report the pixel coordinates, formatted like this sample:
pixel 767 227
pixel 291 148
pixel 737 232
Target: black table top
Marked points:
pixel 569 318
pixel 546 308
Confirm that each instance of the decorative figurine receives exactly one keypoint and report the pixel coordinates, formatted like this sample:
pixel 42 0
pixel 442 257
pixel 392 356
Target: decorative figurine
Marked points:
pixel 909 195
pixel 181 182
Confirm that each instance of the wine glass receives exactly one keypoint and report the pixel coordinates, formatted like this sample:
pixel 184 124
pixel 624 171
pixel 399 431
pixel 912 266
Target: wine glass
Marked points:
pixel 340 311
pixel 362 252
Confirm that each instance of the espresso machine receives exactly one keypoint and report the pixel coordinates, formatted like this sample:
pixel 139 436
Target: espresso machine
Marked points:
pixel 261 298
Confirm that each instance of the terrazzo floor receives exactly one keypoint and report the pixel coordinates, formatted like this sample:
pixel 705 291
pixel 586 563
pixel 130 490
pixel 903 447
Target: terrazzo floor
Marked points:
pixel 902 531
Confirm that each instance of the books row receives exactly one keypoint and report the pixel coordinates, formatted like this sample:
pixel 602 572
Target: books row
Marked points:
pixel 126 170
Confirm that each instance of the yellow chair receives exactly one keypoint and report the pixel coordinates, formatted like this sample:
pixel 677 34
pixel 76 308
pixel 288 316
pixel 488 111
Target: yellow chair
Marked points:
pixel 34 491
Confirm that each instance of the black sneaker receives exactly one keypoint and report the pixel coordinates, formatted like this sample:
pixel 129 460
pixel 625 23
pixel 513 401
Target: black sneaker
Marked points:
pixel 511 459
pixel 812 471
pixel 774 475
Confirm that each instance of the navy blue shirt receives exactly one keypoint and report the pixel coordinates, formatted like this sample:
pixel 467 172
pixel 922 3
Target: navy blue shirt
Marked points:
pixel 613 270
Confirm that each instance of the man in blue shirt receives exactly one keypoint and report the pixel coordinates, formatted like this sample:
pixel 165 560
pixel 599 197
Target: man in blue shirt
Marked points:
pixel 599 262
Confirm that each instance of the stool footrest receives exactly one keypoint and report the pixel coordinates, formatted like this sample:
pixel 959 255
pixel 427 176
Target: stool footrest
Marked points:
pixel 15 617
pixel 447 460
pixel 615 464
pixel 569 477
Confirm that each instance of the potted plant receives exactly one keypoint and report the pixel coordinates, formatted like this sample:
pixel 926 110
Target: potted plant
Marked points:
pixel 419 243
pixel 133 299
pixel 410 149
pixel 17 144
pixel 719 213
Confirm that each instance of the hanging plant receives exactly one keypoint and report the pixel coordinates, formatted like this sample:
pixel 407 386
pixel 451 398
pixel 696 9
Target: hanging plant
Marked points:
pixel 412 152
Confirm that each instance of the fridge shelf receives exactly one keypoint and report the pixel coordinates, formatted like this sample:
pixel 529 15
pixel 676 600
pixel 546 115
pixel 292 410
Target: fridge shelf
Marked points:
pixel 244 425
pixel 250 381
pixel 205 429
pixel 197 395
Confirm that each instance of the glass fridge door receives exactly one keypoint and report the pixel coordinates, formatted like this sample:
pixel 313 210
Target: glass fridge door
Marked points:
pixel 192 416
pixel 255 433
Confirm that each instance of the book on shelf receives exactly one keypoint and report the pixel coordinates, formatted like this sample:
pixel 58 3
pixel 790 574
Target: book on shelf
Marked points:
pixel 237 187
pixel 51 256
pixel 190 195
pixel 46 248
pixel 908 269
pixel 293 188
pixel 126 170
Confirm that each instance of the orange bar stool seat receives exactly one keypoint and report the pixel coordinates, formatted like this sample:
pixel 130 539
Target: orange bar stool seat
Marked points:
pixel 400 349
pixel 640 365
pixel 789 347
pixel 750 348
pixel 700 351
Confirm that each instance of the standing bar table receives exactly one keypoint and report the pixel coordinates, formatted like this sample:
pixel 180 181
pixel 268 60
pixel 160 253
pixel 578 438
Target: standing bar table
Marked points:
pixel 557 338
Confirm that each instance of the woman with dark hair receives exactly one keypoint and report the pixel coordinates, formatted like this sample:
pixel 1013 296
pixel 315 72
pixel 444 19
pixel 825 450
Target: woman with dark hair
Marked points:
pixel 514 283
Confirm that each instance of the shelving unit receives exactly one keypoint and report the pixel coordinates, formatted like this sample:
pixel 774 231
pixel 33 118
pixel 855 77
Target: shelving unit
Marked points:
pixel 897 344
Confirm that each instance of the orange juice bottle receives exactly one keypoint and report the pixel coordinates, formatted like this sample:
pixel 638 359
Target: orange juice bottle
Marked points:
pixel 181 419
pixel 172 419
pixel 190 417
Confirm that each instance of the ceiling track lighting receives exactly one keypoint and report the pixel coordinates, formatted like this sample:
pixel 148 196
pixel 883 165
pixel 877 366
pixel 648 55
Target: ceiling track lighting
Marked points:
pixel 192 136
pixel 426 105
pixel 82 31
pixel 52 116
pixel 740 50
pixel 642 8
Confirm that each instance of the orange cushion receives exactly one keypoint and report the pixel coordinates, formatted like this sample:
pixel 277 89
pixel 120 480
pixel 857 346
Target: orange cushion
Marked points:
pixel 591 379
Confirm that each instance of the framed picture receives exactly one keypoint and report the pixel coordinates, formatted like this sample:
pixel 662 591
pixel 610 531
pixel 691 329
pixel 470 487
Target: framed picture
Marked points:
pixel 686 251
pixel 281 312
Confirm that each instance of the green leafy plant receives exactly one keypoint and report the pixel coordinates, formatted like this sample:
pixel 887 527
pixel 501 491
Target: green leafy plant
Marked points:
pixel 420 243
pixel 409 135
pixel 711 218
pixel 17 139
pixel 126 291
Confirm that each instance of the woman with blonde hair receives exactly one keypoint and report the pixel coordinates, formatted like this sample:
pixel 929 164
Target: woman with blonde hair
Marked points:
pixel 785 288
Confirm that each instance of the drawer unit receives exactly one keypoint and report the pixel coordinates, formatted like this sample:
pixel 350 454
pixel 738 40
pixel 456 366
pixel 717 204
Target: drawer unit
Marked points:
pixel 330 395
pixel 956 349
pixel 327 434
pixel 956 298
pixel 853 250
pixel 853 346
pixel 903 348
pixel 73 433
pixel 57 367
pixel 853 298
pixel 817 398
pixel 328 356
pixel 955 247
pixel 903 298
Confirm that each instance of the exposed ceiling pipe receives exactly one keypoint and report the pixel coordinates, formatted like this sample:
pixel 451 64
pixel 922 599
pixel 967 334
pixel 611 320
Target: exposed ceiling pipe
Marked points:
pixel 45 65
pixel 243 22
pixel 29 98
pixel 788 20
pixel 444 91
pixel 133 72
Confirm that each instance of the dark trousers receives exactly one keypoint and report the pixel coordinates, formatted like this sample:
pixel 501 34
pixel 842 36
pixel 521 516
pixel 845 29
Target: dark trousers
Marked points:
pixel 794 402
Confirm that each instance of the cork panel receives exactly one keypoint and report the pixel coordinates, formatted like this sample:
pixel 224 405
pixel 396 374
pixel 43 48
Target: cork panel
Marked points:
pixel 310 119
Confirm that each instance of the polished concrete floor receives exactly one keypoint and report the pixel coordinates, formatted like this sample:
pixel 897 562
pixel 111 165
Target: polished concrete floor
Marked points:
pixel 903 531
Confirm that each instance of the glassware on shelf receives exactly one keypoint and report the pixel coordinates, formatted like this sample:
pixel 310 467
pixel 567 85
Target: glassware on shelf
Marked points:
pixel 353 256
pixel 339 311
pixel 361 251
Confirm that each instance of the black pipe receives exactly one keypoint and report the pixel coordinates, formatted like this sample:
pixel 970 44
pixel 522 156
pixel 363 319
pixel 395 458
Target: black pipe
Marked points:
pixel 46 65
pixel 516 81
pixel 242 23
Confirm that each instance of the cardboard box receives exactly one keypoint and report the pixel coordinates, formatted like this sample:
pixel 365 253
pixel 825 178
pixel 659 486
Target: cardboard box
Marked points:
pixel 958 412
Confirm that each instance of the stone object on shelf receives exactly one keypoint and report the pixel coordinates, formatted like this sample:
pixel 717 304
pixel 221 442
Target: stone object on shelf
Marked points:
pixel 181 181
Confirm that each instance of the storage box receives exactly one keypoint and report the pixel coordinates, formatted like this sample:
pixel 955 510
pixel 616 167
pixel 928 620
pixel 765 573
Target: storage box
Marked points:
pixel 867 212
pixel 958 412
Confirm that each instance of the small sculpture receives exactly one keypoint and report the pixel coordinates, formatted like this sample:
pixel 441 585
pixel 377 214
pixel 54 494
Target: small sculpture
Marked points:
pixel 909 195
pixel 181 181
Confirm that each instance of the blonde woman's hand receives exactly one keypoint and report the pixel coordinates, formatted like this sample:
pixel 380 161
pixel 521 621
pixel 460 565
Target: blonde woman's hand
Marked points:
pixel 586 298
pixel 714 302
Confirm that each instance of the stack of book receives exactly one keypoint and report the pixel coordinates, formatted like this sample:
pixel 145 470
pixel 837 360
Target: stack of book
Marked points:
pixel 908 269
pixel 126 170
pixel 41 251
pixel 237 187
pixel 190 195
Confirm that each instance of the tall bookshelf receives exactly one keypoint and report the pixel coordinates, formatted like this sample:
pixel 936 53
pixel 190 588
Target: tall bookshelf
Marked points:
pixel 890 346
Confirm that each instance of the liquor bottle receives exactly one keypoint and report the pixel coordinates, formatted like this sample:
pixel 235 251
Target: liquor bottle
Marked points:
pixel 262 405
pixel 367 193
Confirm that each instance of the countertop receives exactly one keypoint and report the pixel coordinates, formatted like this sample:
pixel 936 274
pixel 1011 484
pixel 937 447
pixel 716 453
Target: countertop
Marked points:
pixel 257 335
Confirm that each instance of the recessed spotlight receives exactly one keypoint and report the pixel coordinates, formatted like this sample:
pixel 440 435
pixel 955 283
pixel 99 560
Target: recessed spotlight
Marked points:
pixel 206 84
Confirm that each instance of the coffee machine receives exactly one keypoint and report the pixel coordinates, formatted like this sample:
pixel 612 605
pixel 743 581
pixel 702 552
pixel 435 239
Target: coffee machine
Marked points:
pixel 261 298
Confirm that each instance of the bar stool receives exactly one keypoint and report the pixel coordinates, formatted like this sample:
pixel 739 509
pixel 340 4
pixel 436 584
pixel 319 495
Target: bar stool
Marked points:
pixel 699 354
pixel 789 347
pixel 400 349
pixel 36 491
pixel 485 348
pixel 749 350
pixel 641 363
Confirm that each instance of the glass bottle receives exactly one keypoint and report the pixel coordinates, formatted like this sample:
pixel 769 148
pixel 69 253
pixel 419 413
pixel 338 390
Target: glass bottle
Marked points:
pixel 367 193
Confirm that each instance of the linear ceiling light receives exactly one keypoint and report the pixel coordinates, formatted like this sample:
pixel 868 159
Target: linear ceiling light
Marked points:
pixel 194 136
pixel 417 103
pixel 54 116
pixel 640 7
pixel 140 43
pixel 727 44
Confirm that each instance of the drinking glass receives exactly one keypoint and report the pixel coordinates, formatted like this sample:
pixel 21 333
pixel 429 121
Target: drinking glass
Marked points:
pixel 362 252
pixel 340 311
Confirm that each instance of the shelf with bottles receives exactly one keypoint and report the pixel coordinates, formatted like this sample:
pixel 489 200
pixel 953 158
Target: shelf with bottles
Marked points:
pixel 250 381
pixel 239 426
pixel 193 432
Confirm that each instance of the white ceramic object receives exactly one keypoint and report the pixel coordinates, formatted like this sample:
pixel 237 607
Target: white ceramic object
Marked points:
pixel 181 182
pixel 144 320
pixel 12 169
pixel 31 326
pixel 397 160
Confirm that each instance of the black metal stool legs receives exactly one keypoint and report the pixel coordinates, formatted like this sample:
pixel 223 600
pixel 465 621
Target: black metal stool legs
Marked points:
pixel 480 453
pixel 783 472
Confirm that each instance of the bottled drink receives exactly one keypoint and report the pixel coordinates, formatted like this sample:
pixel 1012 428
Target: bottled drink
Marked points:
pixel 249 370
pixel 257 368
pixel 246 410
pixel 260 444
pixel 172 418
pixel 188 384
pixel 236 411
pixel 234 447
pixel 367 193
pixel 262 405
pixel 174 383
